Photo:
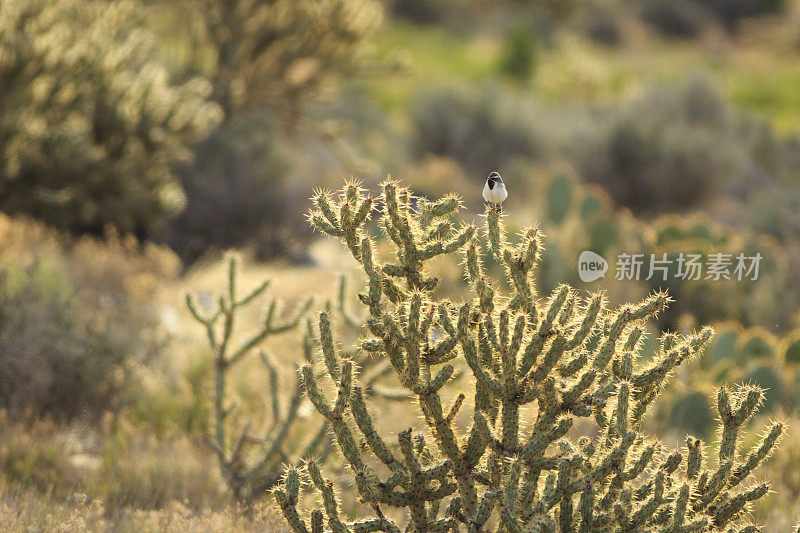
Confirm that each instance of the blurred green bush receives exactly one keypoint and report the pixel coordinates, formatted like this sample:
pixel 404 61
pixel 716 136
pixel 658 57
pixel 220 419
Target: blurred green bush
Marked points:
pixel 688 18
pixel 675 18
pixel 234 191
pixel 730 12
pixel 275 53
pixel 667 151
pixel 519 56
pixel 425 11
pixel 91 125
pixel 266 62
pixel 482 129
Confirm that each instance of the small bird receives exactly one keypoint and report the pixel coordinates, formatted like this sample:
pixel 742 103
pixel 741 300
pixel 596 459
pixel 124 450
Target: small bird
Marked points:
pixel 495 191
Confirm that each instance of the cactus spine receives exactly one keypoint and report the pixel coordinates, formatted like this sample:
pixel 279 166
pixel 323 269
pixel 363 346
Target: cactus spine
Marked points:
pixel 501 471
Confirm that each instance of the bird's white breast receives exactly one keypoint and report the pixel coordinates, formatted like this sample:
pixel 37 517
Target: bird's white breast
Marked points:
pixel 495 195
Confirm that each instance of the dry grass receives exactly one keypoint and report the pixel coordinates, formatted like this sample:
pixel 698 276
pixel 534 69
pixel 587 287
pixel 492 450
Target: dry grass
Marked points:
pixel 24 510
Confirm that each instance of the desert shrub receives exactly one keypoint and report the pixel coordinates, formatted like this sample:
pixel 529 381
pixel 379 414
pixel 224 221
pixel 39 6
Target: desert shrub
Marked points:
pixel 277 53
pixel 235 192
pixel 266 62
pixel 424 11
pixel 672 149
pixel 482 130
pixel 688 18
pixel 486 468
pixel 676 18
pixel 91 125
pixel 136 470
pixel 757 344
pixel 791 349
pixel 24 509
pixel 662 152
pixel 76 319
pixel 52 360
pixel 774 209
pixel 601 23
pixel 31 455
pixel 730 12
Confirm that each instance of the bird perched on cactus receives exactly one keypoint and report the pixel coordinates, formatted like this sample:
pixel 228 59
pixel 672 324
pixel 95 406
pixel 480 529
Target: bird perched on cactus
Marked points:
pixel 494 191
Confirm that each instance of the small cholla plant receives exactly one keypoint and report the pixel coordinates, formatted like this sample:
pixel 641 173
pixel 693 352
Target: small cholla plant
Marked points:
pixel 249 474
pixel 538 366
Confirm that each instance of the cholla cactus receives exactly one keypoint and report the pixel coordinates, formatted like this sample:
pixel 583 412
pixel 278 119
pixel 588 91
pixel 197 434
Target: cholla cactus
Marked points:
pixel 248 480
pixel 560 359
pixel 92 125
pixel 276 52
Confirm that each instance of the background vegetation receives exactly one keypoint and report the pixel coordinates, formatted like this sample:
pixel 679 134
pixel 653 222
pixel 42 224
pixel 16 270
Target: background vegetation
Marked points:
pixel 142 139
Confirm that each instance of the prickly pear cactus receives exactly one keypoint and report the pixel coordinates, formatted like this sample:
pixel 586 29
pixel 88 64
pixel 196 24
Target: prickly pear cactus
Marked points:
pixel 791 349
pixel 513 467
pixel 559 198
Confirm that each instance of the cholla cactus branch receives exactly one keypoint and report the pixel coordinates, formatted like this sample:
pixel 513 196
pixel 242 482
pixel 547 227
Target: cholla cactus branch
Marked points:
pixel 248 482
pixel 523 352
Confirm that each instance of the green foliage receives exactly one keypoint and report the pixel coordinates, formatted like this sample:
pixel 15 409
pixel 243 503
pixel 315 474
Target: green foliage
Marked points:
pixel 691 413
pixel 91 126
pixel 266 61
pixel 730 12
pixel 666 151
pixel 520 349
pixel 559 195
pixel 658 136
pixel 688 18
pixel 425 11
pixel 518 59
pixel 601 23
